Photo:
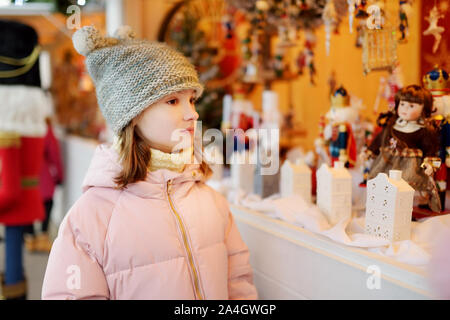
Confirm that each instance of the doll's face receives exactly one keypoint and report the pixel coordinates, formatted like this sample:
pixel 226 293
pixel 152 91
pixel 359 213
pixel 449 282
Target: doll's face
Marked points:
pixel 168 124
pixel 409 111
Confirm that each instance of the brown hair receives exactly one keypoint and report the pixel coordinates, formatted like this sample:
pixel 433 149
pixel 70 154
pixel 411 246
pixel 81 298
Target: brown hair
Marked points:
pixel 135 154
pixel 416 94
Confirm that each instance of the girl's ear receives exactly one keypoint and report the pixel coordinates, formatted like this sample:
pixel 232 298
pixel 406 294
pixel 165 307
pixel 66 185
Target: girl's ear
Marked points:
pixel 135 120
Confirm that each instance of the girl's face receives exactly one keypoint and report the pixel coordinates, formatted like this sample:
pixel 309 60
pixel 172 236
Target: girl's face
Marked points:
pixel 409 111
pixel 168 124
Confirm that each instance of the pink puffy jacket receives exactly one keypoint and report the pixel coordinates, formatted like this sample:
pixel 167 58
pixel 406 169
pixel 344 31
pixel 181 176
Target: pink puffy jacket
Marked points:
pixel 168 237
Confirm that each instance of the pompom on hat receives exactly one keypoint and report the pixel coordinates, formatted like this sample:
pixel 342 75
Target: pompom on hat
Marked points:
pixel 130 75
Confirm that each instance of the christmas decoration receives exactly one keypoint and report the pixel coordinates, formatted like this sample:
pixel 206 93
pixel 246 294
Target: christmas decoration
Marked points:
pixel 284 18
pixel 433 28
pixel 265 185
pixel 437 82
pixel 351 11
pixel 295 179
pixel 408 143
pixel 306 56
pixel 389 207
pixel 242 171
pixel 361 16
pixel 334 192
pixel 24 108
pixel 338 133
pixel 379 49
pixel 329 17
pixel 404 12
pixel 428 58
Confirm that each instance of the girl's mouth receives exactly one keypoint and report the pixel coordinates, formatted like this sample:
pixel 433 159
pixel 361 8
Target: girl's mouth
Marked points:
pixel 190 130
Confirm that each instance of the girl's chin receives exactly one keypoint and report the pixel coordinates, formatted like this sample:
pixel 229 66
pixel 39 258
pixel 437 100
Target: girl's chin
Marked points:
pixel 179 148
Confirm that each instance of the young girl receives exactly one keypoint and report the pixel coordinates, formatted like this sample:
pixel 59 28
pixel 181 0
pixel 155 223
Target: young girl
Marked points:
pixel 146 226
pixel 407 143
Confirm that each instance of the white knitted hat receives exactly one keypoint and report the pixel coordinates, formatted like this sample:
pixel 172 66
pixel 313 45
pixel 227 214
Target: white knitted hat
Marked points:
pixel 130 75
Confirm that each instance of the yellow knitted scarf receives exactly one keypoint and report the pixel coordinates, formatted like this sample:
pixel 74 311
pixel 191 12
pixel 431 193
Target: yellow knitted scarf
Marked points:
pixel 175 161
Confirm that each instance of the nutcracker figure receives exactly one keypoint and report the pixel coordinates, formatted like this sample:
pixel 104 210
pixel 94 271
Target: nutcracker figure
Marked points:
pixel 24 106
pixel 436 81
pixel 338 134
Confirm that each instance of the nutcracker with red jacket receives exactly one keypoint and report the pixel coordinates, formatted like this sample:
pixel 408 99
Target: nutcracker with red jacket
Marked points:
pixel 338 133
pixel 437 82
pixel 24 106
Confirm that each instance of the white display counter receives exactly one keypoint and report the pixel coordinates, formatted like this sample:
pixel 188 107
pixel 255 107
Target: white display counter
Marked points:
pixel 290 262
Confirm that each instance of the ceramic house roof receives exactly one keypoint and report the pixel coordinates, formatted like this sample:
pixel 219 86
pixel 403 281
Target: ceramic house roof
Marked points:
pixel 400 184
pixel 296 168
pixel 339 173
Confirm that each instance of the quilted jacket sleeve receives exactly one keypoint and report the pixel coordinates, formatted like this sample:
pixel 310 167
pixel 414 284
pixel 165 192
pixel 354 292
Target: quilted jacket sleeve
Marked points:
pixel 74 270
pixel 240 273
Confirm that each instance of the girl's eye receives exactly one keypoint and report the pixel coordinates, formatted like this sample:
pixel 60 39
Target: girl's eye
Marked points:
pixel 172 101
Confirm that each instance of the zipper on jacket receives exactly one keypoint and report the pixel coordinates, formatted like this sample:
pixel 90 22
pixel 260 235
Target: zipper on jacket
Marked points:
pixel 186 243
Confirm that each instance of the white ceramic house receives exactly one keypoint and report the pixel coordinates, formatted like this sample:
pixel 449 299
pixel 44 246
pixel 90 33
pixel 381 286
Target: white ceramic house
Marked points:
pixel 295 179
pixel 389 207
pixel 334 192
pixel 214 157
pixel 242 171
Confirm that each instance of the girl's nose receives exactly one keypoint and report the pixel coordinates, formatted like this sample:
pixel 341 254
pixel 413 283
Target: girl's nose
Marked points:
pixel 191 113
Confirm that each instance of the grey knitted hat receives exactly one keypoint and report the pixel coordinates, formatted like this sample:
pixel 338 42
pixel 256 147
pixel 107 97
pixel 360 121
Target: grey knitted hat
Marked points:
pixel 130 75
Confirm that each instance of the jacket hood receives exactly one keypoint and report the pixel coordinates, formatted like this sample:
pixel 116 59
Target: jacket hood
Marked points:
pixel 105 166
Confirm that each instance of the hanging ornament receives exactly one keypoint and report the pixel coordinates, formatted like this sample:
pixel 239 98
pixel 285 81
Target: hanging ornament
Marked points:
pixel 306 56
pixel 329 17
pixel 351 12
pixel 433 28
pixel 361 16
pixel 360 6
pixel 379 49
pixel 278 64
pixel 404 11
pixel 252 55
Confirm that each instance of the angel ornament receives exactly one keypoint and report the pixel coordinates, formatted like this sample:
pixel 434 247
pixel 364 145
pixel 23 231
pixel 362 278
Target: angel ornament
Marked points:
pixel 433 28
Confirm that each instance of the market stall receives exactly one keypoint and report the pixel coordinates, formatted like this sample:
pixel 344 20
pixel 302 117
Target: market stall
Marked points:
pixel 326 124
